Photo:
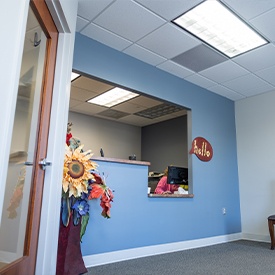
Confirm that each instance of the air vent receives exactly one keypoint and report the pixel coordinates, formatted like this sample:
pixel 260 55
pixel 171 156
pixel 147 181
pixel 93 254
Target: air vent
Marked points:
pixel 199 58
pixel 113 114
pixel 159 111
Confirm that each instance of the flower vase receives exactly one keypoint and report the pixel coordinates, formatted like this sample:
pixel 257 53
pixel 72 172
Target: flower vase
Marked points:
pixel 69 256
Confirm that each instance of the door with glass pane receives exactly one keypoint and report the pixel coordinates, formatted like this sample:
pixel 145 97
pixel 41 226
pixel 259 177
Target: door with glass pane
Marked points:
pixel 20 218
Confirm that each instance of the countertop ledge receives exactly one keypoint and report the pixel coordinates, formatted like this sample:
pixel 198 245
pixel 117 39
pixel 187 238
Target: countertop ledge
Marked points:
pixel 136 162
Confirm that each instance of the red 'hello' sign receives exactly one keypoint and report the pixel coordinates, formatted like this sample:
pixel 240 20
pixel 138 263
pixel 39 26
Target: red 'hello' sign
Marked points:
pixel 202 149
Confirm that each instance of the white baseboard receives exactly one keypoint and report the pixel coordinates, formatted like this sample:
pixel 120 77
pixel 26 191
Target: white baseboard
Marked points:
pixel 128 254
pixel 256 237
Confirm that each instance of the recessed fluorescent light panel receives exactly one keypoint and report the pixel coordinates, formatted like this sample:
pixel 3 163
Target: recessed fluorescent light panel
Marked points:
pixel 74 76
pixel 113 97
pixel 216 25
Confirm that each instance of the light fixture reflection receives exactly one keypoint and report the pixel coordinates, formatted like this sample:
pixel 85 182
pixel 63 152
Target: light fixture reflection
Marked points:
pixel 74 76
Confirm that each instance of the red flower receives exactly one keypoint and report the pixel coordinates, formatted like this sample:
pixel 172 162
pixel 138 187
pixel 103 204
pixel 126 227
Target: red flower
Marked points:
pixel 97 191
pixel 97 179
pixel 101 190
pixel 68 137
pixel 105 203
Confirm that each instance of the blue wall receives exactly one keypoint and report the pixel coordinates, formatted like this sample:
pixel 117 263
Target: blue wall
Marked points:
pixel 141 221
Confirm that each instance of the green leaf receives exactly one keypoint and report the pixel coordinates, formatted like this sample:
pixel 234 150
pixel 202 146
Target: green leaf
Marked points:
pixel 66 211
pixel 84 222
pixel 75 217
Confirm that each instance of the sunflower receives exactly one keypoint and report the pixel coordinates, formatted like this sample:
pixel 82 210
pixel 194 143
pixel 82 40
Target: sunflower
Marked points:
pixel 77 171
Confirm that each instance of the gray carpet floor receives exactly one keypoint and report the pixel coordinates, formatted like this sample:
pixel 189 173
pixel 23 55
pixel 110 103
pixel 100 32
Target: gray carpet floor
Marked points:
pixel 233 258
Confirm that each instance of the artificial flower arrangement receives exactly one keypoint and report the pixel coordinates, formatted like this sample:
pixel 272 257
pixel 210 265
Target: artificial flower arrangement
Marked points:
pixel 81 183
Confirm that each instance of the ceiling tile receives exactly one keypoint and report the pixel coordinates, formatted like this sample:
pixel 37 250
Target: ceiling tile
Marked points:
pixel 90 9
pixel 91 85
pixel 145 101
pixel 105 37
pixel 74 103
pixel 88 109
pixel 250 8
pixel 174 68
pixel 80 94
pixel 81 23
pixel 248 85
pixel 169 12
pixel 223 91
pixel 129 107
pixel 169 41
pixel 112 114
pixel 265 24
pixel 200 80
pixel 224 72
pixel 267 74
pixel 126 14
pixel 142 29
pixel 144 55
pixel 257 59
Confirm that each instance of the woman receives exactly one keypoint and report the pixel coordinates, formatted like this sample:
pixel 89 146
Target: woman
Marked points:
pixel 165 188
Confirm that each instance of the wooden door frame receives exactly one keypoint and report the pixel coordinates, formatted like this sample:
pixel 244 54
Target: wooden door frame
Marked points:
pixel 26 264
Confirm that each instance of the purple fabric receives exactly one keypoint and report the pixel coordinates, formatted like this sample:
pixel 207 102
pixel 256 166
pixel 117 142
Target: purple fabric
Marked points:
pixel 69 257
pixel 163 186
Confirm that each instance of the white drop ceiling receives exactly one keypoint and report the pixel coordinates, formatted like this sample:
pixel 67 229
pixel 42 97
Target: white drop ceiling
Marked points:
pixel 84 88
pixel 143 30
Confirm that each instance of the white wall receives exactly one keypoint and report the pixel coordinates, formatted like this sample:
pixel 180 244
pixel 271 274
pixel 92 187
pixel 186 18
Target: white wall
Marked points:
pixel 118 140
pixel 255 128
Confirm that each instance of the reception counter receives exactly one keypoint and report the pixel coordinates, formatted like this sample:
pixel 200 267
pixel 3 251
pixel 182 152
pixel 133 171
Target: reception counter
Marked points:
pixel 141 163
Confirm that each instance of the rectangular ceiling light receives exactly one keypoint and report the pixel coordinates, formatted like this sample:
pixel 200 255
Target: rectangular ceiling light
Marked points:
pixel 219 27
pixel 113 97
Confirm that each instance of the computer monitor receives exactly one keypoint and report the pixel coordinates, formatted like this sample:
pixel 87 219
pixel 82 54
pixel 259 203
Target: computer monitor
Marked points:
pixel 177 175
